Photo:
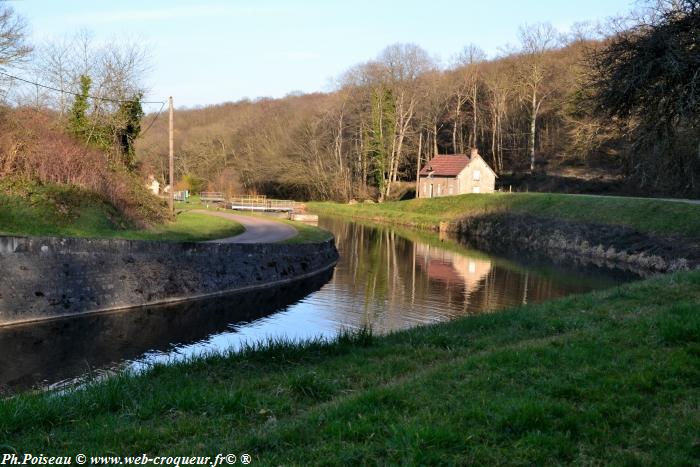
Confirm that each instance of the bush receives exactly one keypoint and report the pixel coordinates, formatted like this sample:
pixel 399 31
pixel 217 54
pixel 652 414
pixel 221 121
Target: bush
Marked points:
pixel 33 146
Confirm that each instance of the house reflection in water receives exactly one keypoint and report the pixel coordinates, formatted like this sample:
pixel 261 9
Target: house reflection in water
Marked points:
pixel 479 284
pixel 451 268
pixel 456 271
pixel 388 280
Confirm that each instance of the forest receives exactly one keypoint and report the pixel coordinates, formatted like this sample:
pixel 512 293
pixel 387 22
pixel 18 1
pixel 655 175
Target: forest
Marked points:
pixel 610 109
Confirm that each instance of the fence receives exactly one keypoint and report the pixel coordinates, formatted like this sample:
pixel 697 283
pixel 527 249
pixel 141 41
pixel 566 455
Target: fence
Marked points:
pixel 212 197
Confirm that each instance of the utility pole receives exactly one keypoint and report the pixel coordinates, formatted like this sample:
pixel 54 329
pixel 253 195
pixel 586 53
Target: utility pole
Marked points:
pixel 171 193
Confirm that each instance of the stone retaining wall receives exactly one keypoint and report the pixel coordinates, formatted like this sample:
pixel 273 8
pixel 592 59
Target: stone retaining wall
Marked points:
pixel 613 244
pixel 46 277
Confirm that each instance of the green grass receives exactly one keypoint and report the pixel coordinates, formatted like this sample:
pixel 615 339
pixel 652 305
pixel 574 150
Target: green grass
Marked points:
pixel 58 210
pixel 607 378
pixel 646 215
pixel 306 233
pixel 188 227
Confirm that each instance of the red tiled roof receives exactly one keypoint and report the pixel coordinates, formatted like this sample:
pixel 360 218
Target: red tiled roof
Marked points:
pixel 446 165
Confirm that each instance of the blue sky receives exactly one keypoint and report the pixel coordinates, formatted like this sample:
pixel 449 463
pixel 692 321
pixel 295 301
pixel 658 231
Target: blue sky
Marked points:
pixel 215 51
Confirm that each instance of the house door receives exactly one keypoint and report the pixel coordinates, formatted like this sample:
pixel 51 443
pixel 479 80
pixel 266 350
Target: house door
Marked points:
pixel 431 190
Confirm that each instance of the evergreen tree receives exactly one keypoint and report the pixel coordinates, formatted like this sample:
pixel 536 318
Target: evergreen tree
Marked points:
pixel 127 129
pixel 380 135
pixel 78 122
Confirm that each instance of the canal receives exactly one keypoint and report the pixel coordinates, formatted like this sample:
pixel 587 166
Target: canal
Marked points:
pixel 387 279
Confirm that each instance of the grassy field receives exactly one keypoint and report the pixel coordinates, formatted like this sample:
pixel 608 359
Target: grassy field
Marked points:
pixel 611 377
pixel 646 215
pixel 57 210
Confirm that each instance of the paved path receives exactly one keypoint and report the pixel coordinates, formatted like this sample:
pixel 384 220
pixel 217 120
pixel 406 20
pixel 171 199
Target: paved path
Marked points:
pixel 257 230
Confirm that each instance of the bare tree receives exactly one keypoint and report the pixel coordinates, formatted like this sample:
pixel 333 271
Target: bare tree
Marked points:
pixel 467 90
pixel 499 85
pixel 401 65
pixel 13 46
pixel 54 66
pixel 536 40
pixel 117 69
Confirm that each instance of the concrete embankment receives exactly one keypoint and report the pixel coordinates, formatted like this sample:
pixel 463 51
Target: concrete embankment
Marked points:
pixel 46 277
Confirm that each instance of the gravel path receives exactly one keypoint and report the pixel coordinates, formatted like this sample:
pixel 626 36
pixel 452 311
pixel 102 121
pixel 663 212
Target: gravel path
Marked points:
pixel 257 230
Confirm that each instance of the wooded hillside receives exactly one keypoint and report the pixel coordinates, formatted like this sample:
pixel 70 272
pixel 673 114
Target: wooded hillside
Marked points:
pixel 539 110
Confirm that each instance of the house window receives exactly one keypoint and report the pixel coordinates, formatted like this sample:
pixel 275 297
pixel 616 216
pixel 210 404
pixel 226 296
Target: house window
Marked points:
pixel 476 189
pixel 477 175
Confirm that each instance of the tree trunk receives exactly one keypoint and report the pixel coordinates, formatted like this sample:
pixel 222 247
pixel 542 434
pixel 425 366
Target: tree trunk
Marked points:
pixel 454 127
pixel 435 145
pixel 420 148
pixel 474 106
pixel 494 127
pixel 533 126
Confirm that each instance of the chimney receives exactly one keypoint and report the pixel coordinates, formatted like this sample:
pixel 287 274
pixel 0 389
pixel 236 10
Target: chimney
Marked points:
pixel 474 152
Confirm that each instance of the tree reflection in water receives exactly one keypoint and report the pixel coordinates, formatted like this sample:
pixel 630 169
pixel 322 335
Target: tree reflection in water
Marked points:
pixel 386 280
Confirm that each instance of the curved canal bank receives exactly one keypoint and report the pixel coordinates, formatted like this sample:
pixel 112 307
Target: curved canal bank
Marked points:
pixel 51 277
pixel 58 352
pixel 613 244
pixel 647 234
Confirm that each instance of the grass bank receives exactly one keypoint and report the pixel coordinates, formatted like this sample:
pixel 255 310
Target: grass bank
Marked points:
pixel 645 215
pixel 60 210
pixel 610 377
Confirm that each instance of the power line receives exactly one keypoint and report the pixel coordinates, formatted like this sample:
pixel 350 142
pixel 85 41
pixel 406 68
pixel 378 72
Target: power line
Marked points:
pixel 117 101
pixel 162 103
pixel 153 121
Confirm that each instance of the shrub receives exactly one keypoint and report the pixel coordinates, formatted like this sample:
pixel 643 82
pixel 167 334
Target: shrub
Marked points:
pixel 34 146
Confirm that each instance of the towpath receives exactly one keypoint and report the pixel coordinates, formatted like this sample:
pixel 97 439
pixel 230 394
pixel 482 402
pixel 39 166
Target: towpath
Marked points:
pixel 257 230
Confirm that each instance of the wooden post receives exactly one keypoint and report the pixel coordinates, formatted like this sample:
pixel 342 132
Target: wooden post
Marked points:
pixel 171 194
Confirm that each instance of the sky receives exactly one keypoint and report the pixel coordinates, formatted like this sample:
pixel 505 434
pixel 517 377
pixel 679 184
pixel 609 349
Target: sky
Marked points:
pixel 215 51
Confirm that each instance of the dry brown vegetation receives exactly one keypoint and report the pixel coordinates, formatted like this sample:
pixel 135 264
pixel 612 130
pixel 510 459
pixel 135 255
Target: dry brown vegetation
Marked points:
pixel 329 146
pixel 58 132
pixel 539 109
pixel 35 146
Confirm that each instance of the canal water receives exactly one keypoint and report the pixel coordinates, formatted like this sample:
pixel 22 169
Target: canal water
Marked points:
pixel 387 279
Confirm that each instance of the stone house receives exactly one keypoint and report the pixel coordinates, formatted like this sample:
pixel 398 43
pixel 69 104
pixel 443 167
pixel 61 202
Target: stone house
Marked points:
pixel 153 185
pixel 456 174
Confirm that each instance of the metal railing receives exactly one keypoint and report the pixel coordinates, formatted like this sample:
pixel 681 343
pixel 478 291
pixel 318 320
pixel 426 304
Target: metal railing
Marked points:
pixel 261 203
pixel 212 197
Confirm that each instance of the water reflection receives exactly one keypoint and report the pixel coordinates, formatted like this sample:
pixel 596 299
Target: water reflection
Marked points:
pixel 392 279
pixel 48 352
pixel 386 279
